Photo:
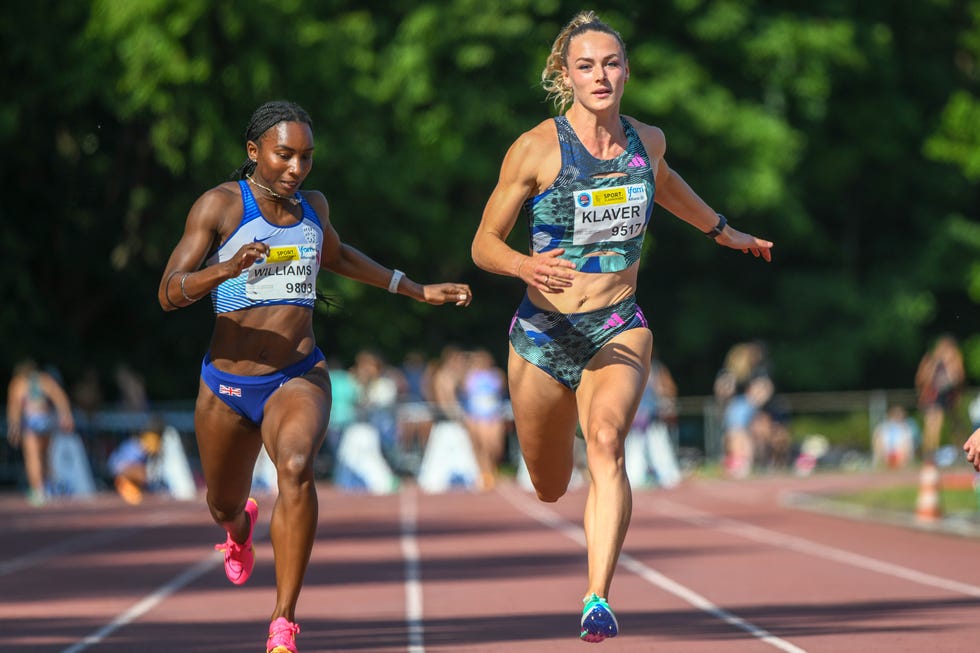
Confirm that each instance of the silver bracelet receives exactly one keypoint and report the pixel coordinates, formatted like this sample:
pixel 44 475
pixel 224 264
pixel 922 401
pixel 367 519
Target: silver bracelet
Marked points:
pixel 396 278
pixel 184 292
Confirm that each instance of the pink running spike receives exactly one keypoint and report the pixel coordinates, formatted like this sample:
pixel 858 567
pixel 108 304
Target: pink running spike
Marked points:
pixel 282 636
pixel 240 558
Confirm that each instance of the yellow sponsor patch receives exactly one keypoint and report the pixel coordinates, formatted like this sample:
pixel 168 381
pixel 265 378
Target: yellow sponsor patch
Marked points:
pixel 609 196
pixel 278 254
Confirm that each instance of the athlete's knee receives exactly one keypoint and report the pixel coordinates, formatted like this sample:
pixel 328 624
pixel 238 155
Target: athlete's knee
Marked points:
pixel 550 490
pixel 606 441
pixel 550 494
pixel 294 468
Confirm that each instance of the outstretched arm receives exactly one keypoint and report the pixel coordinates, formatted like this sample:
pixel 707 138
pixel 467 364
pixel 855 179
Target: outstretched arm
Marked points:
pixel 352 263
pixel 674 194
pixel 355 264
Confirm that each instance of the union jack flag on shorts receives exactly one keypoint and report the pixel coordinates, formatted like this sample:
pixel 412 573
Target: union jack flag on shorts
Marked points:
pixel 229 390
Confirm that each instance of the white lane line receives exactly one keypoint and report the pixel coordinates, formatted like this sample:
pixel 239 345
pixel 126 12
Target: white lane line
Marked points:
pixel 212 560
pixel 148 603
pixel 551 519
pixel 808 547
pixel 413 571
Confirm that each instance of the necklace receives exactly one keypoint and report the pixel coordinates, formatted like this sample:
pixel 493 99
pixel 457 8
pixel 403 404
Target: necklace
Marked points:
pixel 292 200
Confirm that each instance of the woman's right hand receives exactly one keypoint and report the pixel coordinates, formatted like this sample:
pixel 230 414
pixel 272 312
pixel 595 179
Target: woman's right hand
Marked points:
pixel 246 255
pixel 547 271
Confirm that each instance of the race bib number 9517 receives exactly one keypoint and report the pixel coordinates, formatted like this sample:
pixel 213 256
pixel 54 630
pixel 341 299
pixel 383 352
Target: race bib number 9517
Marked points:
pixel 610 214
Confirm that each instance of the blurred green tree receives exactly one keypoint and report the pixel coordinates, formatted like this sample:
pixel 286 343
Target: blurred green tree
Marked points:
pixel 844 133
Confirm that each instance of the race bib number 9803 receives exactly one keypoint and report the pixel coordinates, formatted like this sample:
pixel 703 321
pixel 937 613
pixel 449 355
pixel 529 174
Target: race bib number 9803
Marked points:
pixel 610 214
pixel 286 273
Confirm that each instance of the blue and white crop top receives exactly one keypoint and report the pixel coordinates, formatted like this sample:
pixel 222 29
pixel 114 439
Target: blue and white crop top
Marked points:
pixel 286 276
pixel 585 214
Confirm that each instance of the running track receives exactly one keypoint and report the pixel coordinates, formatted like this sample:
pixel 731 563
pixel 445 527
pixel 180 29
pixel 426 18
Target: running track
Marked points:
pixel 712 565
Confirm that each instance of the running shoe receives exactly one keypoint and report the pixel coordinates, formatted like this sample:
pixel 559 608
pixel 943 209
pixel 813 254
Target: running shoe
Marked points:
pixel 598 620
pixel 36 499
pixel 282 636
pixel 129 491
pixel 240 558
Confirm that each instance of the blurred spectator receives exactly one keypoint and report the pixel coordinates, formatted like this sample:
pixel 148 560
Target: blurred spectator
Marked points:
pixel 753 423
pixel 756 429
pixel 413 371
pixel 893 440
pixel 345 393
pixel 938 381
pixel 37 407
pixel 378 400
pixel 86 395
pixel 483 394
pixel 445 379
pixel 743 362
pixel 659 400
pixel 738 419
pixel 129 462
pixel 132 389
pixel 414 414
pixel 649 447
pixel 769 430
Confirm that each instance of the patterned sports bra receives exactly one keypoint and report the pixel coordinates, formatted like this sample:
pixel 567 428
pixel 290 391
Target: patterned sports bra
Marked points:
pixel 586 211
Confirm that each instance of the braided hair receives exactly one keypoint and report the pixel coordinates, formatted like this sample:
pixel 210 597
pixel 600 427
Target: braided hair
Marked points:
pixel 265 117
pixel 552 77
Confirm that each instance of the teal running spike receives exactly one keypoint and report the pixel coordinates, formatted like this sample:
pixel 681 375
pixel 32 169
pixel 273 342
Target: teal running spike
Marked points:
pixel 598 620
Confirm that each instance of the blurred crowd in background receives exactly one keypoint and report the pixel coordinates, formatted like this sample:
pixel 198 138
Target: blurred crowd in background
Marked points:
pixel 401 402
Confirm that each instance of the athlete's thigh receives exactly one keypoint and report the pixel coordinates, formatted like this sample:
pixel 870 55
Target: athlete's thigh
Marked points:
pixel 613 382
pixel 545 417
pixel 227 443
pixel 296 415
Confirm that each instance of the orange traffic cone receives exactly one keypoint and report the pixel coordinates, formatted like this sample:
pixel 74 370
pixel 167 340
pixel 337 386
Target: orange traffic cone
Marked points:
pixel 927 505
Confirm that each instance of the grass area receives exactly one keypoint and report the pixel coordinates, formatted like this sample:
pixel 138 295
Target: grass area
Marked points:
pixel 853 430
pixel 849 430
pixel 903 498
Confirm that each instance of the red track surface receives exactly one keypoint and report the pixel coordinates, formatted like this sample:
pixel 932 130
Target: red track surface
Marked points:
pixel 712 565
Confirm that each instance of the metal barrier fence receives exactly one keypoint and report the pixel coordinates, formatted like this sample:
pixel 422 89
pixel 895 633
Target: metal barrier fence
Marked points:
pixel 874 404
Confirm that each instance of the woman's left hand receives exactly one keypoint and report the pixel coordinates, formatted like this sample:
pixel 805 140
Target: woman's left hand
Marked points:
pixel 746 242
pixel 445 293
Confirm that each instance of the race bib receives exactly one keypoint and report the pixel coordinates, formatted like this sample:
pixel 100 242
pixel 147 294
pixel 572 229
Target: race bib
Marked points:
pixel 609 214
pixel 286 273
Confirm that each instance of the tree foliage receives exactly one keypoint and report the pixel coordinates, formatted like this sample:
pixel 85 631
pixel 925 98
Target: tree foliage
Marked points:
pixel 844 132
